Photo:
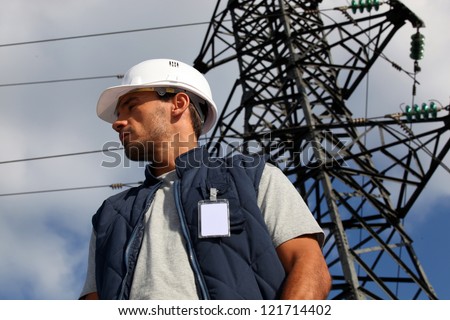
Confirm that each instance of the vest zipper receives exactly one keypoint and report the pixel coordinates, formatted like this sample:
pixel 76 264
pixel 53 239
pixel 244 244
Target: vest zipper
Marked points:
pixel 190 248
pixel 126 258
pixel 133 236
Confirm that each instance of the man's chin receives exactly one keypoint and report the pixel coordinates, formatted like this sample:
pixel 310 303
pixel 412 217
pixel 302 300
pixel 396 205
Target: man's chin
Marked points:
pixel 138 157
pixel 136 152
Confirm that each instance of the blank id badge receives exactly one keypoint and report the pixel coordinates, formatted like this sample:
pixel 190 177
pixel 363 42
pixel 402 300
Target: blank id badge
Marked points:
pixel 213 218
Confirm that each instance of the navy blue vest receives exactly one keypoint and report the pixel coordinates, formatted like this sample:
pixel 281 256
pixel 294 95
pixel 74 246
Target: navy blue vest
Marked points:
pixel 242 266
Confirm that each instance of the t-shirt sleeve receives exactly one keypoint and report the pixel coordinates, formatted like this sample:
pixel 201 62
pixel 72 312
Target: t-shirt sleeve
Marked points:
pixel 285 212
pixel 90 284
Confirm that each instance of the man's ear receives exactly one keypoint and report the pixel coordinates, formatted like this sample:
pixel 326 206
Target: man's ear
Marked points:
pixel 180 104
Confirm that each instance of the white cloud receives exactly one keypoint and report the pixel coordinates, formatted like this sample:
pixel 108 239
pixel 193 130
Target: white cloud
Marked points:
pixel 35 261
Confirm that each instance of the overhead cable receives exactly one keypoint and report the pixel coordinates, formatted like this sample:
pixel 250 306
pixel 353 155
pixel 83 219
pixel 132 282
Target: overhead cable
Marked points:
pixel 60 155
pixel 118 76
pixel 112 186
pixel 103 34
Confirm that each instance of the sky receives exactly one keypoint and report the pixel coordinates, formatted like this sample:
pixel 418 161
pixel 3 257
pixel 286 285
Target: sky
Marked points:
pixel 44 237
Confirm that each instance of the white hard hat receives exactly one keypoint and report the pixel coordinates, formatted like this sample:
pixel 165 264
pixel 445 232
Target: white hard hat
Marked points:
pixel 161 73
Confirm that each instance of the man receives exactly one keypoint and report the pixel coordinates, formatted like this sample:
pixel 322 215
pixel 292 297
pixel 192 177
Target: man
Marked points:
pixel 197 228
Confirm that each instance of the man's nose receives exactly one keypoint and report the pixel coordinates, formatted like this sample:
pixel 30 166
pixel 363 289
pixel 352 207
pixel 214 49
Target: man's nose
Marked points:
pixel 119 124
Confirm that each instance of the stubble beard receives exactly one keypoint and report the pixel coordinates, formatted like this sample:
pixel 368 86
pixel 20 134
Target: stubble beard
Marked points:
pixel 139 151
pixel 148 149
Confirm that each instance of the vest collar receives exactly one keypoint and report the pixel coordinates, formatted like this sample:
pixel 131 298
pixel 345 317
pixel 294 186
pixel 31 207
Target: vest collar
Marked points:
pixel 194 158
pixel 150 179
pixel 191 159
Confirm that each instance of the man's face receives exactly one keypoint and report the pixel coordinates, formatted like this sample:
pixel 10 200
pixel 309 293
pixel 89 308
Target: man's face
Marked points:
pixel 143 122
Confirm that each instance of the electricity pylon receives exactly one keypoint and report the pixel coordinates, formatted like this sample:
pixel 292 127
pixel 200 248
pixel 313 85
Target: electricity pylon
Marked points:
pixel 360 177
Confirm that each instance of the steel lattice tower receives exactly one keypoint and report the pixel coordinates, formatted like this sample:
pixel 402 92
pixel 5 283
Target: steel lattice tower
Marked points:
pixel 360 177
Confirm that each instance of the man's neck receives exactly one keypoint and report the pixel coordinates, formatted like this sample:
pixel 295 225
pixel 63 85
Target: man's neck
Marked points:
pixel 167 163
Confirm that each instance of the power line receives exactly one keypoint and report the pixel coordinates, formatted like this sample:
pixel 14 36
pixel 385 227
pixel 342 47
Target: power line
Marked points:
pixel 112 186
pixel 60 155
pixel 118 76
pixel 103 34
pixel 69 154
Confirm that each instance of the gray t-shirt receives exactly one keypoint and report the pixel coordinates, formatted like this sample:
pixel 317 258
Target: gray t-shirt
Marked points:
pixel 163 271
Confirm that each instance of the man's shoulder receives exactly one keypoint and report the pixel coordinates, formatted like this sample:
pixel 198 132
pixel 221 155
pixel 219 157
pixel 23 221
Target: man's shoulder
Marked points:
pixel 123 194
pixel 274 176
pixel 121 203
pixel 118 199
pixel 272 170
